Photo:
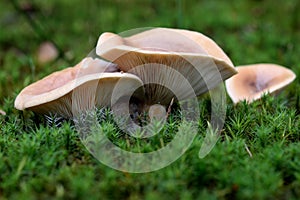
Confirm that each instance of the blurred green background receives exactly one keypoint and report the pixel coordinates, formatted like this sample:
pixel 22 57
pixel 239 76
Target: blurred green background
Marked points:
pixel 38 162
pixel 248 31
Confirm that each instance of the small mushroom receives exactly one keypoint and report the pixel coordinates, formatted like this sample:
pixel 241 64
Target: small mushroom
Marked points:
pixel 252 81
pixel 47 52
pixel 76 89
pixel 2 112
pixel 170 62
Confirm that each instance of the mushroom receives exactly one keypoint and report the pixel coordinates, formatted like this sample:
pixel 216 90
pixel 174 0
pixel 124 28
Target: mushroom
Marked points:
pixel 252 81
pixel 47 52
pixel 2 112
pixel 170 62
pixel 77 89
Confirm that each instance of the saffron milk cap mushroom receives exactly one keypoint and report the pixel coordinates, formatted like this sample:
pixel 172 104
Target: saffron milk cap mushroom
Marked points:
pixel 252 81
pixel 54 93
pixel 194 56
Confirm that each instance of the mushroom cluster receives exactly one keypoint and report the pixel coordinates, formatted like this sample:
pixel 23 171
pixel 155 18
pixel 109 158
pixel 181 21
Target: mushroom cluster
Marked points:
pixel 152 67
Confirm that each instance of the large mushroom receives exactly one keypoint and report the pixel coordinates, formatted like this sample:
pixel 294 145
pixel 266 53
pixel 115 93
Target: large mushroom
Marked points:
pixel 77 89
pixel 169 61
pixel 252 81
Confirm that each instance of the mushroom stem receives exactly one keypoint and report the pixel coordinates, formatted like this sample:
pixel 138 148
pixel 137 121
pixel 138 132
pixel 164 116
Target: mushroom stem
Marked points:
pixel 157 112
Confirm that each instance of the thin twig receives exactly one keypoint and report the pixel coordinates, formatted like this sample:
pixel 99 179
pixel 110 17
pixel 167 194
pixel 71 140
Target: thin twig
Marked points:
pixel 170 108
pixel 247 149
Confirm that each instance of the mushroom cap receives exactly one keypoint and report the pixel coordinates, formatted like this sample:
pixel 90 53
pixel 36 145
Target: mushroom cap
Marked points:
pixel 196 57
pixel 252 81
pixel 90 83
pixel 162 39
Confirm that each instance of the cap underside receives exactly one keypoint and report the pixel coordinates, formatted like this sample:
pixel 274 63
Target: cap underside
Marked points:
pixel 30 100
